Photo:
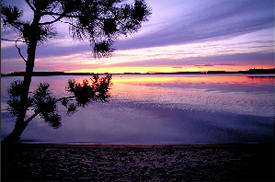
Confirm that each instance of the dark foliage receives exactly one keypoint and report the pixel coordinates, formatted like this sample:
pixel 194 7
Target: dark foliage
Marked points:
pixel 45 104
pixel 71 109
pixel 15 91
pixel 42 33
pixel 99 21
pixel 42 101
pixel 96 90
pixel 12 14
pixel 16 88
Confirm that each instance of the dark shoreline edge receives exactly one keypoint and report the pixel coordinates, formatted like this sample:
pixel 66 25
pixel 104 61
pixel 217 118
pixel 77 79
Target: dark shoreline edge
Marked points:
pixel 250 71
pixel 196 145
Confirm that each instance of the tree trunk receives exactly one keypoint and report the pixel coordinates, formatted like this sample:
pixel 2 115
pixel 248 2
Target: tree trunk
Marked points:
pixel 20 124
pixel 14 136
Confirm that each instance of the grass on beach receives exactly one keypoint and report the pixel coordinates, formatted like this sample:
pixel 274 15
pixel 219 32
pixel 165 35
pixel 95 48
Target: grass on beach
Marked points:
pixel 211 162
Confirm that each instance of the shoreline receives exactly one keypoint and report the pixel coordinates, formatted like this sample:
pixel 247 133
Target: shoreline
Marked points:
pixel 247 72
pixel 108 162
pixel 117 145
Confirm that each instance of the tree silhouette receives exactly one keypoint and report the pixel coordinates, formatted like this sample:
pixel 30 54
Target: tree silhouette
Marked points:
pixel 99 21
pixel 42 102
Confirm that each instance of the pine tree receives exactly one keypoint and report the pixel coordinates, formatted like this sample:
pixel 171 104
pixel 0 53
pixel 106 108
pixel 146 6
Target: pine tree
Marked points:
pixel 99 21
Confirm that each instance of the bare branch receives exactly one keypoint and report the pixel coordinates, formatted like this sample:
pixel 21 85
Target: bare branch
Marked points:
pixel 60 14
pixel 50 22
pixel 69 23
pixel 19 51
pixel 17 25
pixel 10 40
pixel 30 5
pixel 30 118
pixel 63 98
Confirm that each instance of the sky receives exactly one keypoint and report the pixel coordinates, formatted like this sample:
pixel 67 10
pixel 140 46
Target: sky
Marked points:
pixel 180 35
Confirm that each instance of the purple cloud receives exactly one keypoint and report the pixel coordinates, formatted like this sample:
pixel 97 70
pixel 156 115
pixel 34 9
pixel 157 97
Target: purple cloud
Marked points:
pixel 177 22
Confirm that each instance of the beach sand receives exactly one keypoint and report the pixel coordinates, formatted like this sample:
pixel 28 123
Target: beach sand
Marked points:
pixel 197 162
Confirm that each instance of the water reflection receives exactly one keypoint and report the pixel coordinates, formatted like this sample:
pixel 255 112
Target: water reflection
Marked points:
pixel 196 79
pixel 165 109
pixel 233 93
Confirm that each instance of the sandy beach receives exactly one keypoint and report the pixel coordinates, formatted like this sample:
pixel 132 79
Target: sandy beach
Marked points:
pixel 198 162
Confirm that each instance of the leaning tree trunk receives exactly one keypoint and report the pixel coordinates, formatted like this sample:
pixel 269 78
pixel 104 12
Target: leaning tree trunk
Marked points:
pixel 20 124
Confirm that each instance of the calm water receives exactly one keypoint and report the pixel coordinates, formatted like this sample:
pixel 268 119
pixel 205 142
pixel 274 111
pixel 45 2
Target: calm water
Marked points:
pixel 161 109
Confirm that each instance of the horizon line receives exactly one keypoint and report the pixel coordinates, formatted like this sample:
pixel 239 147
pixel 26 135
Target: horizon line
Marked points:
pixel 253 70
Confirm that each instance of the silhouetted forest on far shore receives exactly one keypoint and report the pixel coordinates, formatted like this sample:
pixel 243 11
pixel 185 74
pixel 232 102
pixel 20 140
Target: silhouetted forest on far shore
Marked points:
pixel 250 71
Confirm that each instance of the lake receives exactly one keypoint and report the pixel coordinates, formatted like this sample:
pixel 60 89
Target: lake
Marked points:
pixel 160 109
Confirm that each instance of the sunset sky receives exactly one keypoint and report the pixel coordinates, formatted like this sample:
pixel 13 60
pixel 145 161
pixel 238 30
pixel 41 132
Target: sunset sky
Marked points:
pixel 181 35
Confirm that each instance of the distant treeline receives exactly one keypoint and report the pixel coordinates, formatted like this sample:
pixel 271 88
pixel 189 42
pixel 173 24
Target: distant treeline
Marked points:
pixel 250 71
pixel 44 74
pixel 259 71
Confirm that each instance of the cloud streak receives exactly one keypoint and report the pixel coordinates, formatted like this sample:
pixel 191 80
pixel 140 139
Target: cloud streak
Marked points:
pixel 219 20
pixel 235 59
pixel 192 32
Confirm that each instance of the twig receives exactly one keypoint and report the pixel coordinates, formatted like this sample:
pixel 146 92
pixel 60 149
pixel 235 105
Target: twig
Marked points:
pixel 19 51
pixel 50 22
pixel 30 118
pixel 64 98
pixel 60 16
pixel 69 23
pixel 30 5
pixel 9 40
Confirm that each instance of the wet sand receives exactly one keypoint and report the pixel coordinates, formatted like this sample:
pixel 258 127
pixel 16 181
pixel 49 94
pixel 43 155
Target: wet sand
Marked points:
pixel 198 162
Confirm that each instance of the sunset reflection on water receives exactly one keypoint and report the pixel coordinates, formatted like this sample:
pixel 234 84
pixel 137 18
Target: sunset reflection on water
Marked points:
pixel 195 79
pixel 163 109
